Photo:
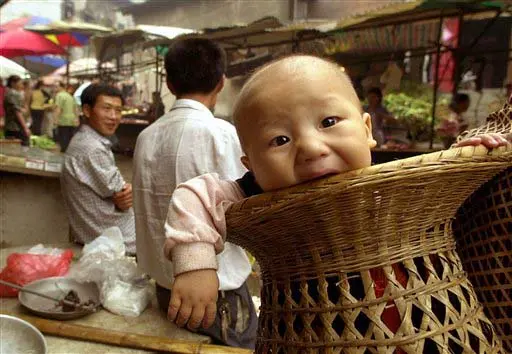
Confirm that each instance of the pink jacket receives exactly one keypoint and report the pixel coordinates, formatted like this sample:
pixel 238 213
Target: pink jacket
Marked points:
pixel 196 224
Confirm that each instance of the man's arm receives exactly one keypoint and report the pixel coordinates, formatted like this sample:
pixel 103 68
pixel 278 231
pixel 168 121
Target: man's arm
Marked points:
pixel 57 110
pixel 19 116
pixel 21 120
pixel 124 198
pixel 99 171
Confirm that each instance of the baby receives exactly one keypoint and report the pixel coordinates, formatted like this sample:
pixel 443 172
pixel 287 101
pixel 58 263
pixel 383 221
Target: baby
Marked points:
pixel 298 119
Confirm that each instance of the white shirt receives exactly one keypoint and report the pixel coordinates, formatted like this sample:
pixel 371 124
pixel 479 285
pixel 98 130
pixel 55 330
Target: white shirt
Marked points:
pixel 186 142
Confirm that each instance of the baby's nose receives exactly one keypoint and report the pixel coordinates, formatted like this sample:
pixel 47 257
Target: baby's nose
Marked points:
pixel 311 149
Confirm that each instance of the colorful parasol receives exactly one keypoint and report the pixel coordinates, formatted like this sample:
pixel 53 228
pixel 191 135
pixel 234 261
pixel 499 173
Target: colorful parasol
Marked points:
pixel 20 42
pixel 68 39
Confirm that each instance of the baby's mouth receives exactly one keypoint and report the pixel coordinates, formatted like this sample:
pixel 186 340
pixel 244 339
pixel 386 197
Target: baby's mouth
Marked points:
pixel 320 174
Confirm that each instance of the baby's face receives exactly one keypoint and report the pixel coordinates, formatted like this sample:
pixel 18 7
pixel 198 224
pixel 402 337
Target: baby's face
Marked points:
pixel 293 133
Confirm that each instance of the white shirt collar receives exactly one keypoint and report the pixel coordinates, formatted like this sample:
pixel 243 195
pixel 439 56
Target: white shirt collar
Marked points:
pixel 188 103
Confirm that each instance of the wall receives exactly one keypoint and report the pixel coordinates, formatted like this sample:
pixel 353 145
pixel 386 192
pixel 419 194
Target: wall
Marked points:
pixel 31 211
pixel 330 9
pixel 207 13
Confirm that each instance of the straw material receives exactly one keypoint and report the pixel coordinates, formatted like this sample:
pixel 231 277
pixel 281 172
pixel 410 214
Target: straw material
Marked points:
pixel 343 258
pixel 483 230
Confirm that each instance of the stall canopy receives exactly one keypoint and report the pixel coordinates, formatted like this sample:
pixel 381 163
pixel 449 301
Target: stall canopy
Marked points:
pixel 83 67
pixel 405 26
pixel 9 67
pixel 265 32
pixel 110 46
pixel 410 23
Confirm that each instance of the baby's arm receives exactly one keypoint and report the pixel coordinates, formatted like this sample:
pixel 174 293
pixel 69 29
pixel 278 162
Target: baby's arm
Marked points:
pixel 195 231
pixel 489 140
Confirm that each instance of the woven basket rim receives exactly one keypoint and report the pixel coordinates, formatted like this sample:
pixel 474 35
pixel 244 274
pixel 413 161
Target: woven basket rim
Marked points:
pixel 469 155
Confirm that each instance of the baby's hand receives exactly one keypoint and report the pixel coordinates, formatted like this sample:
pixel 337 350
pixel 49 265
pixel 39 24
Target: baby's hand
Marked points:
pixel 194 299
pixel 490 140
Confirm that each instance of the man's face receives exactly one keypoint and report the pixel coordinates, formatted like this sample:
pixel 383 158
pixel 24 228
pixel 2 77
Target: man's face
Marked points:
pixel 373 99
pixel 18 86
pixel 105 116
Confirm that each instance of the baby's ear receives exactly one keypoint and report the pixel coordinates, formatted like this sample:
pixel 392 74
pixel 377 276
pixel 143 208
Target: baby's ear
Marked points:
pixel 246 162
pixel 367 120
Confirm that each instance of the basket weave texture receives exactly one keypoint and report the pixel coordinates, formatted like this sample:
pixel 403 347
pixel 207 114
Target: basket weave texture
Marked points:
pixel 340 255
pixel 483 231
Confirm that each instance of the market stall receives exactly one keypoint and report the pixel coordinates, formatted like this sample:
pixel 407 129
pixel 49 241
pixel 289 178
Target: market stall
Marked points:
pixel 133 122
pixel 30 197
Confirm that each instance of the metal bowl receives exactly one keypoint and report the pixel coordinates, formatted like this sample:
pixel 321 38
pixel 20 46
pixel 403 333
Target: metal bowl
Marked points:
pixel 19 336
pixel 58 287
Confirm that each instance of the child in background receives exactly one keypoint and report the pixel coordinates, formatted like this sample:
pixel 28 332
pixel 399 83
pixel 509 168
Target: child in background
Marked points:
pixel 298 119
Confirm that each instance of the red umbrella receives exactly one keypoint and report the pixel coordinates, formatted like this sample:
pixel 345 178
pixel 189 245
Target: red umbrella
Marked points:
pixel 20 42
pixel 39 22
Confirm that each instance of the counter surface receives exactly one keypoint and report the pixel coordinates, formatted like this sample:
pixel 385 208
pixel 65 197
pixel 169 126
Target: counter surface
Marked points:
pixel 150 322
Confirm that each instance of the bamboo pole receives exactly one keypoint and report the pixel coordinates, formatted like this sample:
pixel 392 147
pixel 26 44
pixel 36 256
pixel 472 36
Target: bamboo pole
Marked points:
pixel 128 340
pixel 436 82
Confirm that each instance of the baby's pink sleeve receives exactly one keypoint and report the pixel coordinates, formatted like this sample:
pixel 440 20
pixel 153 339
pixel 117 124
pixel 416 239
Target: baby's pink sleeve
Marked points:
pixel 195 228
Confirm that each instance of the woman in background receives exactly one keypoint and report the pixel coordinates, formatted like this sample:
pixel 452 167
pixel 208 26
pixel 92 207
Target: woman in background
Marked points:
pixel 378 112
pixel 37 106
pixel 455 124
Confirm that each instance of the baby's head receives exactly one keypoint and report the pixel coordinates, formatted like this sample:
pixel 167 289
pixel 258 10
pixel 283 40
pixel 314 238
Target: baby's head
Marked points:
pixel 299 119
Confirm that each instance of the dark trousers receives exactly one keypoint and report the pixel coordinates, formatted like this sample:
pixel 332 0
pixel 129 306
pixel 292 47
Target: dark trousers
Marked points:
pixel 234 302
pixel 64 135
pixel 37 121
pixel 25 141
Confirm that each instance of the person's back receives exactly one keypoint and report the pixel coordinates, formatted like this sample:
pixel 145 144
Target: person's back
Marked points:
pixel 164 157
pixel 66 103
pixel 66 117
pixel 184 143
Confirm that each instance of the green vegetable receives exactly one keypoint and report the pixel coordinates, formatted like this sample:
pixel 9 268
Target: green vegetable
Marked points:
pixel 42 142
pixel 414 108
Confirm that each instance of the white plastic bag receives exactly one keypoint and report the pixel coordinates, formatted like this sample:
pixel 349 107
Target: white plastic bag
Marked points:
pixel 124 290
pixel 40 249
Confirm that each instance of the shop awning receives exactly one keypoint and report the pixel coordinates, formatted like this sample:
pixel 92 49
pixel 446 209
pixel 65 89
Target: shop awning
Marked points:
pixel 404 26
pixel 113 45
pixel 414 11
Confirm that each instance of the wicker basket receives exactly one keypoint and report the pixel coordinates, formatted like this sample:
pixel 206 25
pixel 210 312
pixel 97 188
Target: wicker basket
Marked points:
pixel 483 231
pixel 338 255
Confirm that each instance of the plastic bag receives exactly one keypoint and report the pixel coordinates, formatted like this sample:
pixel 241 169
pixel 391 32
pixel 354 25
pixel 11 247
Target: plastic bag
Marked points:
pixel 96 254
pixel 24 268
pixel 124 290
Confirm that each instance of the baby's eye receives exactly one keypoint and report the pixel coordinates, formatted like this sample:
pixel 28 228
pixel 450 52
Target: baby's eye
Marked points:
pixel 280 140
pixel 329 122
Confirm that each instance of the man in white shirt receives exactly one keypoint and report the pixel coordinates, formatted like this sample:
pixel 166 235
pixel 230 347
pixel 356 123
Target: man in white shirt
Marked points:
pixel 186 142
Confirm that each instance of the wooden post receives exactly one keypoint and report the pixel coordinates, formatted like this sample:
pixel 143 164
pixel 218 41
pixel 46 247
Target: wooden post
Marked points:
pixel 127 340
pixel 436 81
pixel 157 76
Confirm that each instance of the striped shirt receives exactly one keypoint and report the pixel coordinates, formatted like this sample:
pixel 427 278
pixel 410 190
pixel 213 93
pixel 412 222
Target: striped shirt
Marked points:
pixel 89 179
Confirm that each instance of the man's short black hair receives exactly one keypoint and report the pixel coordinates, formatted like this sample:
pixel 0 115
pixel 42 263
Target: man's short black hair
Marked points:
pixel 376 91
pixel 194 65
pixel 92 92
pixel 13 79
pixel 460 98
